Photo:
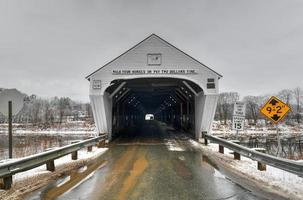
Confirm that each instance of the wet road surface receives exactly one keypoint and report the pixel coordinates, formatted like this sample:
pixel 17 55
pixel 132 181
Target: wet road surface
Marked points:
pixel 152 163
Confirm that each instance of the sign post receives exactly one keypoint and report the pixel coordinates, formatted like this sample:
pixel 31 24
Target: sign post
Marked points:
pixel 9 97
pixel 10 130
pixel 238 117
pixel 275 110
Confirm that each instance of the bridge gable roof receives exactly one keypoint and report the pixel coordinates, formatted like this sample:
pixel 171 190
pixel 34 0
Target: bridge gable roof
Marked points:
pixel 153 38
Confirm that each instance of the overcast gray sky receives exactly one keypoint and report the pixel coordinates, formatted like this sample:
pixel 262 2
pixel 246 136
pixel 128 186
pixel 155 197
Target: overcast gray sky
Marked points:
pixel 48 47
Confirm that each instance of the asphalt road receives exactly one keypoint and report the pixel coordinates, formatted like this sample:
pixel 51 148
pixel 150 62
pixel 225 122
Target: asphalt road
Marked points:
pixel 153 162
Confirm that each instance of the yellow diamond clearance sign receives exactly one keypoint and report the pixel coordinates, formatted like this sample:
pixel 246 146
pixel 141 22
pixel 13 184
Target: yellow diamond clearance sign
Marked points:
pixel 275 109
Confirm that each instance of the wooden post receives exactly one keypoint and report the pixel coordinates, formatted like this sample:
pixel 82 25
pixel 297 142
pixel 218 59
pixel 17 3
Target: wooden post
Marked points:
pixel 6 183
pixel 261 166
pixel 75 153
pixel 221 149
pixel 205 141
pixel 101 144
pixel 89 148
pixel 237 156
pixel 10 130
pixel 50 165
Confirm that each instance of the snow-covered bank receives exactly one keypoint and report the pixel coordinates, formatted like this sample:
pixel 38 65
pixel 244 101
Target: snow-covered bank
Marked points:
pixel 259 130
pixel 273 181
pixel 74 128
pixel 51 132
pixel 26 182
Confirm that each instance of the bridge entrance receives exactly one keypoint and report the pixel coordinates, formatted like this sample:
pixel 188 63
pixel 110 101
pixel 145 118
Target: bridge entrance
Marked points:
pixel 141 100
pixel 153 81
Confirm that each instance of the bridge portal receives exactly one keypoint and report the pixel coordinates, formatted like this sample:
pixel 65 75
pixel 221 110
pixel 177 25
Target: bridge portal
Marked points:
pixel 156 78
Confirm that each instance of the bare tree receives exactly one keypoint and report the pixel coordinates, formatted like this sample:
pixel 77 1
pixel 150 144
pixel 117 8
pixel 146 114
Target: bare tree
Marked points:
pixel 297 92
pixel 89 112
pixel 253 105
pixel 64 107
pixel 35 111
pixel 225 105
pixel 286 96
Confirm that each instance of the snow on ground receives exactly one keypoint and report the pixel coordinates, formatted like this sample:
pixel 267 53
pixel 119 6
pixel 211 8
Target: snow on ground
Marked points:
pixel 28 181
pixel 82 154
pixel 260 129
pixel 273 179
pixel 173 145
pixel 71 128
pixel 55 132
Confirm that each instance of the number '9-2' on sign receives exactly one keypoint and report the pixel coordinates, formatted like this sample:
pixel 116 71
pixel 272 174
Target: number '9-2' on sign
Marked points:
pixel 275 109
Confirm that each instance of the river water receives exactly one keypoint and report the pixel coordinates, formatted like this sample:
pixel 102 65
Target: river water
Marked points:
pixel 29 144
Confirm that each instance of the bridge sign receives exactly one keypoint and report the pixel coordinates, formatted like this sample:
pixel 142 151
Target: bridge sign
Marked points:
pixel 275 109
pixel 238 116
pixel 239 109
pixel 238 123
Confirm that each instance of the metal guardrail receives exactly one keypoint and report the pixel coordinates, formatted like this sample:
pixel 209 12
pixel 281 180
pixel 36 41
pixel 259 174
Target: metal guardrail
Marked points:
pixel 281 163
pixel 30 162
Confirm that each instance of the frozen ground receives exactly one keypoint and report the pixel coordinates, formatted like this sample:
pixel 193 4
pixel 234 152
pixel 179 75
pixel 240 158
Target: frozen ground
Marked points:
pixel 31 180
pixel 71 128
pixel 260 129
pixel 273 180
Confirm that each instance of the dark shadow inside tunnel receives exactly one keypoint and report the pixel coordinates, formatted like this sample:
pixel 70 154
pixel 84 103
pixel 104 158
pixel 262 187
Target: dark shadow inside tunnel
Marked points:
pixel 136 103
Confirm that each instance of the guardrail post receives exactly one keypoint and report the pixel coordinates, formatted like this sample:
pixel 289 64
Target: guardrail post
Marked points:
pixel 221 149
pixel 205 139
pixel 6 183
pixel 50 165
pixel 237 156
pixel 101 144
pixel 261 166
pixel 90 148
pixel 75 153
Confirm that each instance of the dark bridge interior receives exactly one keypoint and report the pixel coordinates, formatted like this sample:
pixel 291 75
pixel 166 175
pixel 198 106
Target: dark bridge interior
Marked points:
pixel 169 100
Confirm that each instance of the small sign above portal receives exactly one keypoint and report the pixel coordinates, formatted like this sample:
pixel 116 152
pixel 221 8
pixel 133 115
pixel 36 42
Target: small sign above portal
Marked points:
pixel 96 84
pixel 154 59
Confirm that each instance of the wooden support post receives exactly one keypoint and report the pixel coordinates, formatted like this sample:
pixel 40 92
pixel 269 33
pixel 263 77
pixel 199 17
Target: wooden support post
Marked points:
pixel 89 148
pixel 237 156
pixel 75 153
pixel 50 165
pixel 101 144
pixel 261 166
pixel 6 183
pixel 205 141
pixel 221 149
